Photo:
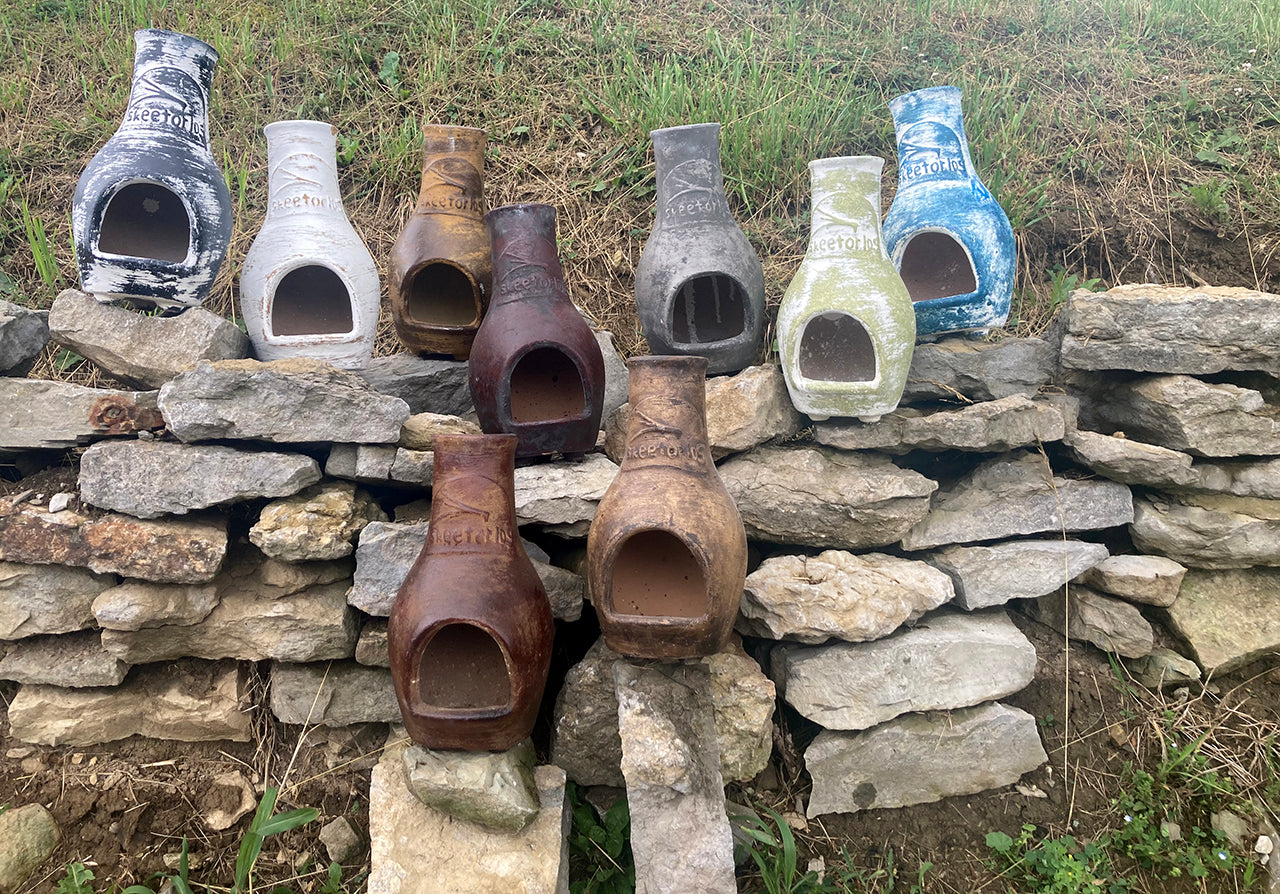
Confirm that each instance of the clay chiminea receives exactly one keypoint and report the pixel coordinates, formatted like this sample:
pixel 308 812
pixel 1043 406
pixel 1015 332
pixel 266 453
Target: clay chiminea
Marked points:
pixel 946 233
pixel 470 633
pixel 309 287
pixel 151 214
pixel 535 368
pixel 699 284
pixel 846 329
pixel 440 269
pixel 667 553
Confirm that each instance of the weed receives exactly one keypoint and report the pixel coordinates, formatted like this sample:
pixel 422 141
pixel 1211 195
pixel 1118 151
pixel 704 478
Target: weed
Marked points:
pixel 1054 865
pixel 775 856
pixel 1208 201
pixel 1062 284
pixel 600 852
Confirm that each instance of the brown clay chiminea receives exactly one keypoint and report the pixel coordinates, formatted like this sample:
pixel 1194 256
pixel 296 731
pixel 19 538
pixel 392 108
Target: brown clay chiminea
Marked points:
pixel 470 633
pixel 667 553
pixel 536 369
pixel 440 271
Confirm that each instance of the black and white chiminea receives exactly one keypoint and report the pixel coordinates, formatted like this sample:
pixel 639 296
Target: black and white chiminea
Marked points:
pixel 152 214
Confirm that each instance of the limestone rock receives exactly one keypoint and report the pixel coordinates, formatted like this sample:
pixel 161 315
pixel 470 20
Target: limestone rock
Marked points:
pixel 186 550
pixel 743 699
pixel 140 349
pixel 380 464
pixel 616 377
pixel 1245 478
pixel 75 660
pixel 1171 329
pixel 948 660
pixel 420 429
pixel 839 595
pixel 1208 531
pixel 1110 624
pixel 1128 461
pixel 917 759
pixel 426 384
pixel 38 599
pixel 296 400
pixel 417 850
pixel 987 427
pixel 148 479
pixel 23 335
pixel 1163 669
pixel 190 701
pixel 371 648
pixel 679 829
pixel 494 789
pixel 318 523
pixel 337 693
pixel 35 413
pixel 341 841
pixel 1011 495
pixel 824 497
pixel 30 835
pixel 979 371
pixel 1229 618
pixel 563 495
pixel 1016 569
pixel 1151 580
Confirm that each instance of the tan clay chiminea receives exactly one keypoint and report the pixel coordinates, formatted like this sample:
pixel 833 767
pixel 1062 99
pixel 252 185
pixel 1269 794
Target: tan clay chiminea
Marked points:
pixel 470 633
pixel 440 269
pixel 667 553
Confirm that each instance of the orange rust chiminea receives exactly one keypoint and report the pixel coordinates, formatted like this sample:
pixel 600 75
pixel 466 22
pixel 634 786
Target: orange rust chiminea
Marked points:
pixel 470 633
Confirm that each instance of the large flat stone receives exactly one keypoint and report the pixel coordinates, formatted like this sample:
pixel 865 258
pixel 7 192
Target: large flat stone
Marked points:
pixel 1014 495
pixel 824 497
pixel 1016 569
pixel 1239 478
pixel 426 384
pixel 1230 618
pixel 1129 461
pixel 37 599
pixel 76 660
pixel 1150 580
pixel 1172 329
pixel 35 413
pixel 297 400
pixel 1207 530
pixel 563 495
pixel 987 427
pixel 190 701
pixel 1112 625
pixel 916 759
pixel 148 479
pixel 23 335
pixel 335 693
pixel 838 595
pixel 952 367
pixel 141 349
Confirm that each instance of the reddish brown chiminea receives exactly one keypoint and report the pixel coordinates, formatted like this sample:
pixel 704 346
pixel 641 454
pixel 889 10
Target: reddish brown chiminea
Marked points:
pixel 667 553
pixel 535 369
pixel 470 633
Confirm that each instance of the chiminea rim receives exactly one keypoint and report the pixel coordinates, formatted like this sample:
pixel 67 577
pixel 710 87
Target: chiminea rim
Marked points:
pixel 700 127
pixel 862 164
pixel 946 91
pixel 300 124
pixel 166 34
pixel 676 361
pixel 533 209
pixel 460 128
pixel 470 442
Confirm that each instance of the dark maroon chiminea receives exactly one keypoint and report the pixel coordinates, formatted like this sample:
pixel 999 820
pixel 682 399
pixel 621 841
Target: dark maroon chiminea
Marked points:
pixel 536 369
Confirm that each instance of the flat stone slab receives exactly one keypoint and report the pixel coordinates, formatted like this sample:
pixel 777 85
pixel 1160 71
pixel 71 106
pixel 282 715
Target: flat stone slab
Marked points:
pixel 948 660
pixel 190 701
pixel 37 599
pixel 680 832
pixel 1163 669
pixel 1229 618
pixel 495 789
pixel 817 496
pixel 1150 580
pixel 1238 478
pixel 1207 530
pixel 1016 569
pixel 988 427
pixel 148 479
pixel 418 850
pixel 381 464
pixel 23 335
pixel 284 401
pixel 141 349
pixel 1129 461
pixel 960 367
pixel 334 693
pixel 76 660
pixel 563 495
pixel 1170 329
pixel 1112 625
pixel 421 429
pixel 425 384
pixel 918 758
pixel 1012 495
pixel 838 595
pixel 37 414
pixel 186 550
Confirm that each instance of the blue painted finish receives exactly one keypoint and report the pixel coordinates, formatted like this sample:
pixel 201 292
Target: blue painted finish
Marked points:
pixel 939 192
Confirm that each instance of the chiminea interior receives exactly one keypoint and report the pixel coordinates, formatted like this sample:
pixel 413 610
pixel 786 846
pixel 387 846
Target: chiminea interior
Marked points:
pixel 656 575
pixel 935 265
pixel 708 308
pixel 463 666
pixel 836 347
pixel 546 385
pixel 145 220
pixel 441 294
pixel 311 300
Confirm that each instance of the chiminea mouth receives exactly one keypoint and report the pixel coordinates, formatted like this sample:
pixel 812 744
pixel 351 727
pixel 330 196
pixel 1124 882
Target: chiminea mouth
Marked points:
pixel 462 670
pixel 441 294
pixel 836 347
pixel 146 220
pixel 655 577
pixel 546 386
pixel 311 300
pixel 707 309
pixel 935 264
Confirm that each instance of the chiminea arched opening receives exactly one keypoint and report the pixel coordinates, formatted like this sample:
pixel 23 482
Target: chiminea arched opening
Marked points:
pixel 146 220
pixel 441 294
pixel 655 574
pixel 463 667
pixel 311 300
pixel 937 265
pixel 836 347
pixel 707 308
pixel 546 386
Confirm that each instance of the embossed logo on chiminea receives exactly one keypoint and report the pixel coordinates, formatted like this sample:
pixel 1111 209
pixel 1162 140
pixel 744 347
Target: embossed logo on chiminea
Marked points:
pixel 151 214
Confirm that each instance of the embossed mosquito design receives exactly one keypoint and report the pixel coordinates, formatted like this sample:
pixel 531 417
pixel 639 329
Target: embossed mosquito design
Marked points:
pixel 287 166
pixel 460 177
pixel 651 426
pixel 522 251
pixel 458 507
